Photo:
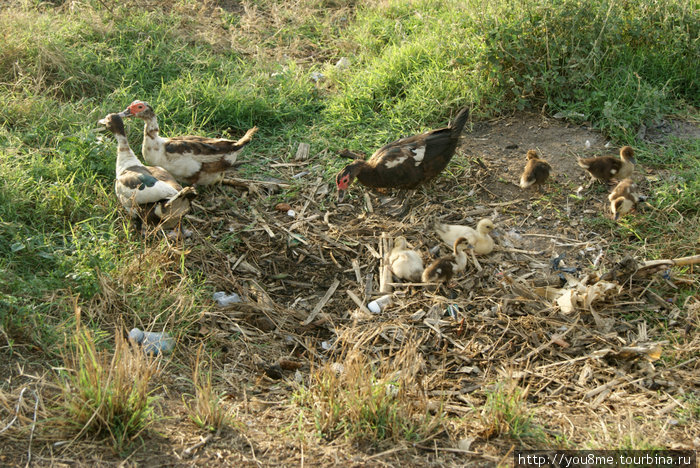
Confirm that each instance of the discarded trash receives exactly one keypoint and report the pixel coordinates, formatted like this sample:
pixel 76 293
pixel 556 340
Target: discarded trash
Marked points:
pixel 291 213
pixel 452 310
pixel 153 342
pixel 568 115
pixel 344 62
pixel 377 305
pixel 557 260
pixel 317 76
pixel 226 299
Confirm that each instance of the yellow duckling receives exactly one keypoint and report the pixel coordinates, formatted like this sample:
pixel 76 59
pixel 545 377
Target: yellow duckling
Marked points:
pixel 405 263
pixel 479 238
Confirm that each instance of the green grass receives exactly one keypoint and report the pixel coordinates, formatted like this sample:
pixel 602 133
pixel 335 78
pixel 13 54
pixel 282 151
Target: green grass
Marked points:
pixel 505 413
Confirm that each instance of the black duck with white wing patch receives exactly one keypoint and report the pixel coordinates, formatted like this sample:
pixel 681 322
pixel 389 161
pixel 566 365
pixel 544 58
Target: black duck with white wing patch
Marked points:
pixel 408 162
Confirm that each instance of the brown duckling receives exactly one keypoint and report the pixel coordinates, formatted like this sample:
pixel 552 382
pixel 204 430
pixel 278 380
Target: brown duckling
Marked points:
pixel 536 171
pixel 405 263
pixel 624 198
pixel 405 163
pixel 442 269
pixel 609 167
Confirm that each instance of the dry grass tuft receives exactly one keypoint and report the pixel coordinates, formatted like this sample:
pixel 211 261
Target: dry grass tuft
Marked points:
pixel 206 408
pixel 108 395
pixel 369 403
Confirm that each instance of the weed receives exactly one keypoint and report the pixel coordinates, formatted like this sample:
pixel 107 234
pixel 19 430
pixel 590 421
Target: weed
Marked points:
pixel 205 409
pixel 108 396
pixel 353 399
pixel 505 413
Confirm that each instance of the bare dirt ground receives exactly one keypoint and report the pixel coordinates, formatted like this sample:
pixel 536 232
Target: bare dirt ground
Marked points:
pixel 611 376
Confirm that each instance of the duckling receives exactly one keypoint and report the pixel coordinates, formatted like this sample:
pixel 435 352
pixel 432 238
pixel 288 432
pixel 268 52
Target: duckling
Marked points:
pixel 147 193
pixel 405 263
pixel 536 171
pixel 478 239
pixel 442 269
pixel 190 159
pixel 405 163
pixel 609 167
pixel 624 198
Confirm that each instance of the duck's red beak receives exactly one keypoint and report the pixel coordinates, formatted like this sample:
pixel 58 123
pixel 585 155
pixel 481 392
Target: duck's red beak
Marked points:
pixel 341 195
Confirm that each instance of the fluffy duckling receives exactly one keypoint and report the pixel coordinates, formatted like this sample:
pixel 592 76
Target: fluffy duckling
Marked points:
pixel 405 163
pixel 405 263
pixel 478 239
pixel 442 269
pixel 147 193
pixel 192 160
pixel 536 171
pixel 609 167
pixel 623 198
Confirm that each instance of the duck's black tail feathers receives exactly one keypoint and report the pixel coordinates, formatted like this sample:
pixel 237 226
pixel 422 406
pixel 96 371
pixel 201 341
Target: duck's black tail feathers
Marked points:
pixel 458 123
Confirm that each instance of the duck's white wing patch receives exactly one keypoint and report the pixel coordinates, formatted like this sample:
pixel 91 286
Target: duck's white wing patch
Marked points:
pixel 395 162
pixel 418 155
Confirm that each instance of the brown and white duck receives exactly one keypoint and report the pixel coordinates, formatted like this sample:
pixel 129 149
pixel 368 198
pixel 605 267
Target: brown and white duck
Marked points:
pixel 192 160
pixel 405 163
pixel 478 239
pixel 624 198
pixel 148 194
pixel 536 171
pixel 609 167
pixel 406 264
pixel 444 268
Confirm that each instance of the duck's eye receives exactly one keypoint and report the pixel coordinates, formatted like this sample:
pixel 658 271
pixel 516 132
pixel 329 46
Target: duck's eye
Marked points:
pixel 344 181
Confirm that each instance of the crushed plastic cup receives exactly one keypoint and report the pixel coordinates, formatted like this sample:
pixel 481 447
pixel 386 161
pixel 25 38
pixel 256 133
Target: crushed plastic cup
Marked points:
pixel 224 299
pixel 154 343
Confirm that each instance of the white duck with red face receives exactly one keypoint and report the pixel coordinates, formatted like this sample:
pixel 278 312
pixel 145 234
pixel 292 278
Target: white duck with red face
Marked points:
pixel 190 159
pixel 147 193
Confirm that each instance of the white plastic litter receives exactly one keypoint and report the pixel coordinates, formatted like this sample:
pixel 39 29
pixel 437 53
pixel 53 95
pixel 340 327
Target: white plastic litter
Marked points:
pixel 224 299
pixel 379 304
pixel 153 342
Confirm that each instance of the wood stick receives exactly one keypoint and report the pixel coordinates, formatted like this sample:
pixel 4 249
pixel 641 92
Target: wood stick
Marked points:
pixel 357 301
pixel 262 222
pixel 384 267
pixel 322 302
pixel 692 260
